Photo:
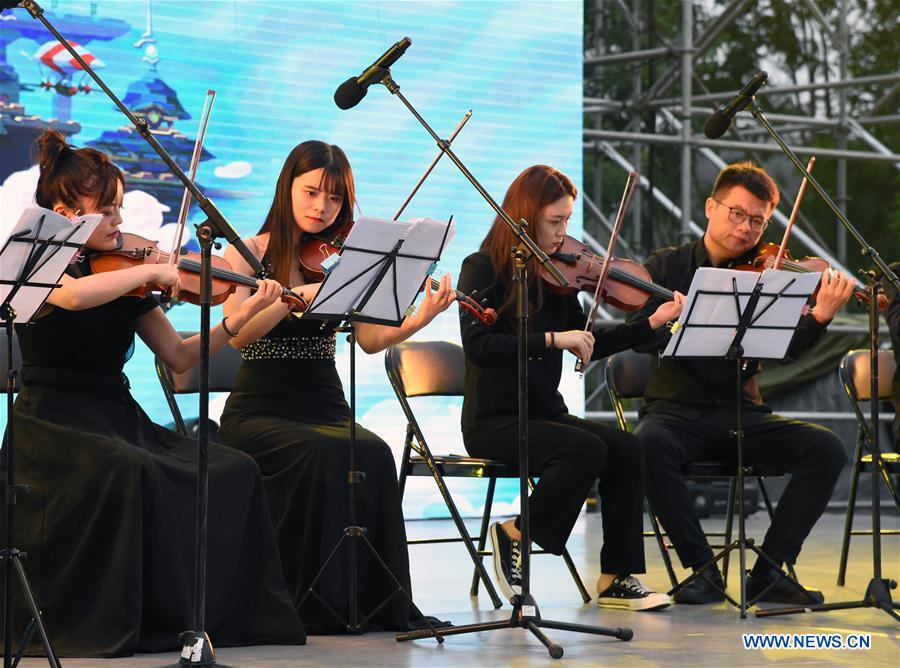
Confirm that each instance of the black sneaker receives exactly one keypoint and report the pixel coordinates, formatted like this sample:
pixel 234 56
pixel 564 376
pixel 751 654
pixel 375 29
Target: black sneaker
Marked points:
pixel 782 591
pixel 708 588
pixel 507 561
pixel 626 592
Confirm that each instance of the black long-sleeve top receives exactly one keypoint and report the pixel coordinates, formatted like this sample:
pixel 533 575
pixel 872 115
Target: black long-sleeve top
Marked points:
pixel 694 387
pixel 491 395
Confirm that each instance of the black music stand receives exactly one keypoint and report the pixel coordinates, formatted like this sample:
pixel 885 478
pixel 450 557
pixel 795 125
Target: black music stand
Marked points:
pixel 365 285
pixel 754 320
pixel 32 260
pixel 525 614
pixel 878 591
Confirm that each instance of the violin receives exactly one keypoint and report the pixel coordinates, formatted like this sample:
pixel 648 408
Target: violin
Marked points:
pixel 134 250
pixel 775 256
pixel 315 249
pixel 766 257
pixel 628 284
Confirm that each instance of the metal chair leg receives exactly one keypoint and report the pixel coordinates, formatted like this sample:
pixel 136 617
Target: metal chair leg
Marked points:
pixel 729 525
pixel 404 462
pixel 851 508
pixel 585 596
pixel 480 572
pixel 661 543
pixel 482 535
pixel 889 481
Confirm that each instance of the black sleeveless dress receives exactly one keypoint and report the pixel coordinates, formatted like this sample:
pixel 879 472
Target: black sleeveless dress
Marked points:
pixel 108 524
pixel 288 411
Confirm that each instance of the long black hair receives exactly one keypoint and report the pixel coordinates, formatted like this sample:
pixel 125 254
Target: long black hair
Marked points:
pixel 280 224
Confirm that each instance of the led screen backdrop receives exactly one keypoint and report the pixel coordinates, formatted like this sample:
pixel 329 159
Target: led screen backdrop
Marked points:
pixel 274 67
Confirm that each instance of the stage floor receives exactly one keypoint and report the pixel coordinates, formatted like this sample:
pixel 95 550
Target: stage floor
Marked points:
pixel 679 636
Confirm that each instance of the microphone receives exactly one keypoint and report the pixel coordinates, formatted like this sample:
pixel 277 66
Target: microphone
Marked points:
pixel 720 120
pixel 353 90
pixel 9 4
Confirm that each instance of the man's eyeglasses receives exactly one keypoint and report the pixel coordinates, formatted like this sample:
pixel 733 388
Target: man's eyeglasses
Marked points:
pixel 738 217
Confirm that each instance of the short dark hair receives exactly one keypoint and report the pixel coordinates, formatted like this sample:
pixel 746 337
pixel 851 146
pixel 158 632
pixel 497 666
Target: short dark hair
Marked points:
pixel 749 176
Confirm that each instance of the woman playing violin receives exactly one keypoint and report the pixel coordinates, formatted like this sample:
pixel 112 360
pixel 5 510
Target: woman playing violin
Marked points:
pixel 108 521
pixel 288 410
pixel 567 453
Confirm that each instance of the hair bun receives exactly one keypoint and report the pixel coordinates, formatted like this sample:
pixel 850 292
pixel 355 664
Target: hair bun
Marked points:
pixel 52 146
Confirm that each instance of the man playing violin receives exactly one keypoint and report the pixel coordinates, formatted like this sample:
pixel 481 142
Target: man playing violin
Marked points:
pixel 689 407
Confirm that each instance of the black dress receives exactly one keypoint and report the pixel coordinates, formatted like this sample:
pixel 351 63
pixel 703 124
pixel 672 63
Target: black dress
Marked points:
pixel 288 411
pixel 108 524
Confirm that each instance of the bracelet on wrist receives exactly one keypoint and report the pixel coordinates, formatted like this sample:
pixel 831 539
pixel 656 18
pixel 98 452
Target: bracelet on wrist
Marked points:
pixel 228 331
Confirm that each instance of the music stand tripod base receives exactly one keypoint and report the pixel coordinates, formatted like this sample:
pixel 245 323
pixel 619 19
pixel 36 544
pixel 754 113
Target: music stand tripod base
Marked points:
pixel 525 615
pixel 348 294
pixel 878 591
pixel 522 617
pixel 711 312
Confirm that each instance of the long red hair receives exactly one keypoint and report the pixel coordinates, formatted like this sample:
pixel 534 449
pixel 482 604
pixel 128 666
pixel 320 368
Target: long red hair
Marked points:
pixel 532 190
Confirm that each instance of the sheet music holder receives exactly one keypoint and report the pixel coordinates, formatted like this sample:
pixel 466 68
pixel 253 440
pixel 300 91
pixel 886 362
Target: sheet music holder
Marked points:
pixel 716 306
pixel 34 256
pixel 380 270
pixel 32 259
pixel 375 279
pixel 741 315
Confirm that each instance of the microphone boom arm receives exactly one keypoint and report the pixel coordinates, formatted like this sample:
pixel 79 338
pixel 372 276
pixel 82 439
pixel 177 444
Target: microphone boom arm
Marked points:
pixel 518 229
pixel 866 248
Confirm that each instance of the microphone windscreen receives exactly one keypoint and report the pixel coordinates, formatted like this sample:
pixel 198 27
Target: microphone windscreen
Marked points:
pixel 349 94
pixel 716 124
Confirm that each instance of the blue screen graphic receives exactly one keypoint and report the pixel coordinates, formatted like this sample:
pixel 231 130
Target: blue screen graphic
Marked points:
pixel 275 67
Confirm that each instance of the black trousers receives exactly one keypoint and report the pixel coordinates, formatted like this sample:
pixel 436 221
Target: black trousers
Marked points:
pixel 813 455
pixel 567 454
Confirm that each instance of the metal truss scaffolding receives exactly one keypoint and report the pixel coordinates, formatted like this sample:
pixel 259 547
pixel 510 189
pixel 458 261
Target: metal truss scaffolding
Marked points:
pixel 652 115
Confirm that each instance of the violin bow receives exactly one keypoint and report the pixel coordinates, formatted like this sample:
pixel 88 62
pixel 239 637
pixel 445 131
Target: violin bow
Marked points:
pixel 195 164
pixel 630 183
pixel 796 209
pixel 465 119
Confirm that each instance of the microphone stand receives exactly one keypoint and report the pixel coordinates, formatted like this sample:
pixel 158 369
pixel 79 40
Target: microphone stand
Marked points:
pixel 197 650
pixel 878 590
pixel 525 613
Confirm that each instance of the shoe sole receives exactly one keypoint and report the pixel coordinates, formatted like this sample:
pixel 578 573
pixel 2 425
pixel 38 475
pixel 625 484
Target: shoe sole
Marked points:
pixel 696 601
pixel 646 604
pixel 499 578
pixel 798 599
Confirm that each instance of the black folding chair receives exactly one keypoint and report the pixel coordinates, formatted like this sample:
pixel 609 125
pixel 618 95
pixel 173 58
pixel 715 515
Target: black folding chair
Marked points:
pixel 627 375
pixel 855 376
pixel 437 368
pixel 223 367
